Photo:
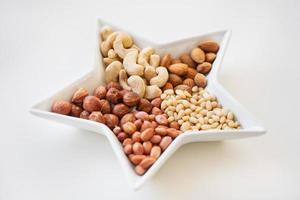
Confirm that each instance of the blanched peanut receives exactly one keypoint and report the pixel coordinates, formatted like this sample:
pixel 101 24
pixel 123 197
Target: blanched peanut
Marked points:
pixel 155 152
pixel 165 142
pixel 138 148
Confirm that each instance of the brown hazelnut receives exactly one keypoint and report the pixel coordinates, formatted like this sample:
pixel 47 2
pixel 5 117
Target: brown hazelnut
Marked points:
pixel 79 95
pixel 113 85
pixel 129 117
pixel 113 95
pixel 105 106
pixel 62 107
pixel 156 102
pixel 120 110
pixel 76 110
pixel 97 117
pixel 122 136
pixel 91 103
pixel 131 98
pixel 129 128
pixel 111 120
pixel 100 92
pixel 145 105
pixel 84 114
pixel 123 92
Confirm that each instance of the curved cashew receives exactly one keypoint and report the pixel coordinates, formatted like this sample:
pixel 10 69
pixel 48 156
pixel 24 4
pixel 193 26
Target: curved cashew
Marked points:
pixel 161 78
pixel 144 56
pixel 154 60
pixel 123 79
pixel 112 71
pixel 108 43
pixel 149 72
pixel 152 92
pixel 123 40
pixel 105 32
pixel 137 85
pixel 136 47
pixel 130 65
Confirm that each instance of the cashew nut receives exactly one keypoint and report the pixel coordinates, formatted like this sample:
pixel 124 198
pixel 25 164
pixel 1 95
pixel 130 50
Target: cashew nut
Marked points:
pixel 130 65
pixel 137 85
pixel 136 47
pixel 154 60
pixel 123 79
pixel 105 32
pixel 149 72
pixel 112 71
pixel 112 54
pixel 107 61
pixel 144 56
pixel 123 40
pixel 161 78
pixel 108 43
pixel 152 92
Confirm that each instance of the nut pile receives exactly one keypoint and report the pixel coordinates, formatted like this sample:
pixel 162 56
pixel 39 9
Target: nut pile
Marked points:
pixel 135 69
pixel 144 136
pixel 148 101
pixel 196 111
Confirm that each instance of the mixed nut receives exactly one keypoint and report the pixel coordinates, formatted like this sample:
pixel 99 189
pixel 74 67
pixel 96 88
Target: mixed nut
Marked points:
pixel 148 101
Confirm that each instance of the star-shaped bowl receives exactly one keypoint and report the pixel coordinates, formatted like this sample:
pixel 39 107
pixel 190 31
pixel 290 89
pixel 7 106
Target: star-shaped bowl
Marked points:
pixel 250 127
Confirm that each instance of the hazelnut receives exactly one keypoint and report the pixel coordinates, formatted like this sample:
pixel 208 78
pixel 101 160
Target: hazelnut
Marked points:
pixel 84 114
pixel 156 102
pixel 76 110
pixel 91 103
pixel 113 85
pixel 129 128
pixel 145 105
pixel 62 107
pixel 122 136
pixel 131 98
pixel 120 110
pixel 105 106
pixel 79 95
pixel 113 95
pixel 100 92
pixel 111 120
pixel 97 117
pixel 123 92
pixel 129 117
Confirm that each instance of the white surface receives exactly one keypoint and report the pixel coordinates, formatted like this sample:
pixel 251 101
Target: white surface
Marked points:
pixel 45 45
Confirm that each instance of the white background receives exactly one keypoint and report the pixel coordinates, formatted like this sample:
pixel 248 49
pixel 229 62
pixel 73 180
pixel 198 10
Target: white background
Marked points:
pixel 45 45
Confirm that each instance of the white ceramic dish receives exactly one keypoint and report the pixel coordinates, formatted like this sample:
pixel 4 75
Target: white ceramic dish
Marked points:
pixel 250 127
